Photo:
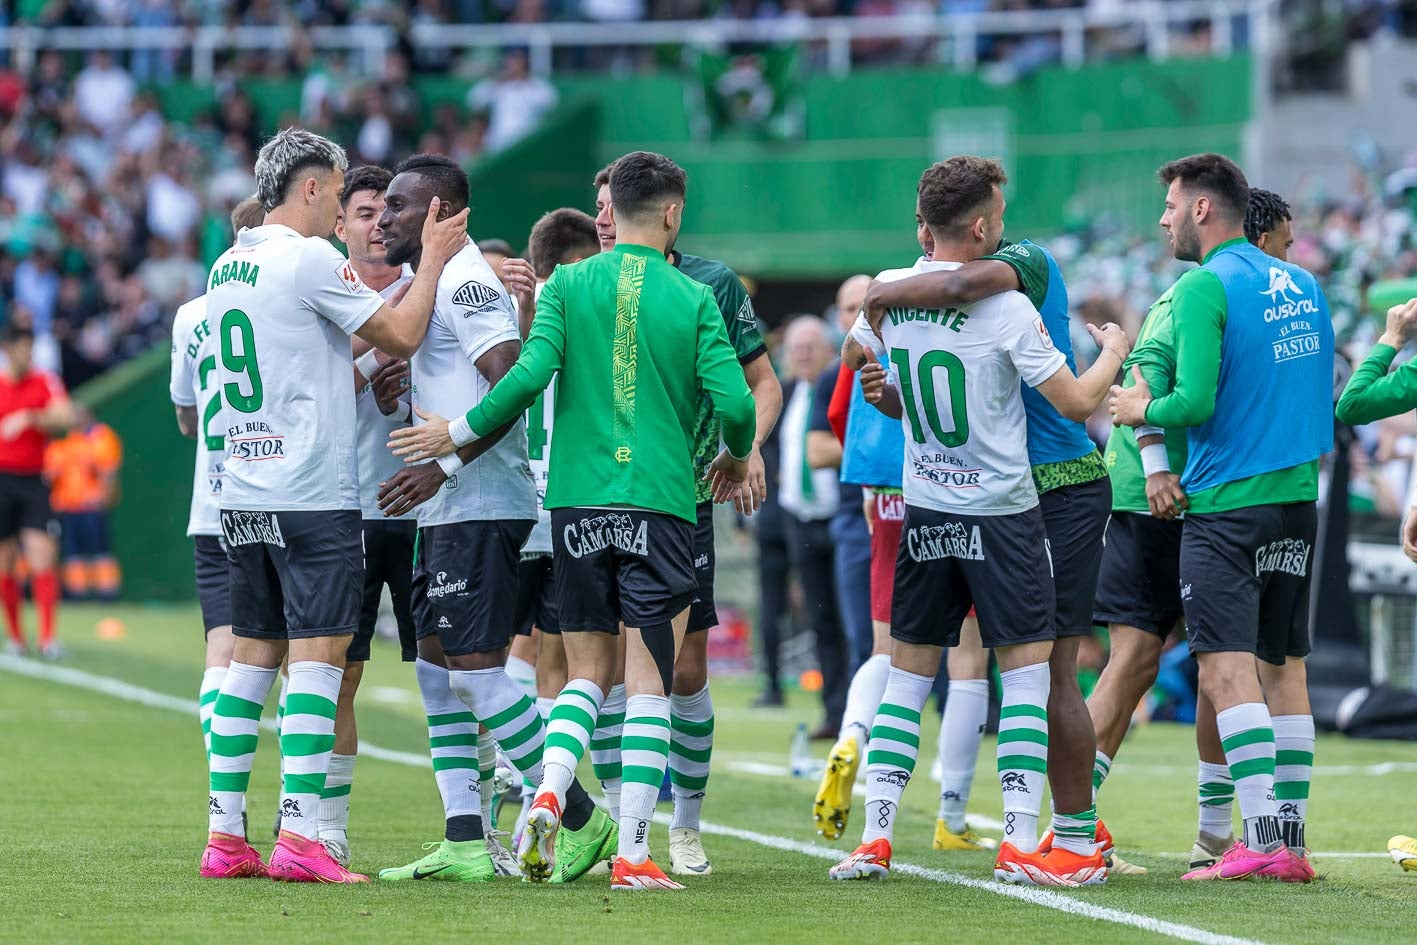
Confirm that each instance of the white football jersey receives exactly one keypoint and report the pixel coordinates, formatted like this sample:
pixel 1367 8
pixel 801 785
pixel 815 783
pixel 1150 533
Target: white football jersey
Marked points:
pixel 540 419
pixel 282 308
pixel 377 463
pixel 471 316
pixel 193 384
pixel 958 373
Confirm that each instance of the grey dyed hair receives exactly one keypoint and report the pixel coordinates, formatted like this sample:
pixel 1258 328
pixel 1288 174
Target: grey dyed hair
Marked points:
pixel 288 153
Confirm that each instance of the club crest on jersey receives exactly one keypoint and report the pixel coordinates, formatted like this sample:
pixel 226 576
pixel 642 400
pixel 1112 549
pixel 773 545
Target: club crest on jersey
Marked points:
pixel 604 531
pixel 475 296
pixel 950 540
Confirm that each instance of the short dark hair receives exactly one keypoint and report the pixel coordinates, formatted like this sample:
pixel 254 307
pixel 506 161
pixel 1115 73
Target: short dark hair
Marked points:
pixel 560 235
pixel 602 176
pixel 1216 176
pixel 641 181
pixel 448 178
pixel 952 191
pixel 500 247
pixel 1265 212
pixel 369 177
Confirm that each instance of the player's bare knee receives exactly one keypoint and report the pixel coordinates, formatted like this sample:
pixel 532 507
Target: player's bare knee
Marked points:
pixel 470 662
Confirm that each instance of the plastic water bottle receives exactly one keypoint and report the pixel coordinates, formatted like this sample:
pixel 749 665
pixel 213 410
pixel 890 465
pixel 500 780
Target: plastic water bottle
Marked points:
pixel 799 757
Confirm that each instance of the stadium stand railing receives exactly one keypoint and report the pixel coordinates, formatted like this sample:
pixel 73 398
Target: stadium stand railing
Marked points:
pixel 1227 24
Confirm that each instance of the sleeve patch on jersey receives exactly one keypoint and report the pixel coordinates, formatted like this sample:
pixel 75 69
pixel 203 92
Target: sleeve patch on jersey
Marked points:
pixel 475 296
pixel 350 278
pixel 1043 331
pixel 745 312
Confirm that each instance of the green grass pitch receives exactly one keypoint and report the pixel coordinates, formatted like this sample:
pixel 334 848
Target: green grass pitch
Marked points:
pixel 103 818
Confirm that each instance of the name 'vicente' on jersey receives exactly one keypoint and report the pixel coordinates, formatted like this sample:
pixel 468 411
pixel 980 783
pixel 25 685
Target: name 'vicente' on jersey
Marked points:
pixel 943 360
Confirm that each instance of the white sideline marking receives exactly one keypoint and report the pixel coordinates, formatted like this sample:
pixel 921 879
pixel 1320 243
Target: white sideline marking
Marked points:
pixel 1038 897
pixel 977 821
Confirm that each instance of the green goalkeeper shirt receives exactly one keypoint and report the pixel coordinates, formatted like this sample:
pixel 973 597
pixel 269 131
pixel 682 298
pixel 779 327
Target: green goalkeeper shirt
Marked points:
pixel 633 338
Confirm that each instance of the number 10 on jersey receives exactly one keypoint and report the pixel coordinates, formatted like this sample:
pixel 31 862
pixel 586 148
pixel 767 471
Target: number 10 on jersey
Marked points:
pixel 934 373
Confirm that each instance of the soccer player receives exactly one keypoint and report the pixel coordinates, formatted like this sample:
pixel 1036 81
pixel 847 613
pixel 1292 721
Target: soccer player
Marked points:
pixel 282 303
pixel 974 532
pixel 1255 391
pixel 560 238
pixel 1139 588
pixel 633 339
pixel 33 407
pixel 1074 496
pixel 873 454
pixel 691 708
pixel 197 399
pixel 388 543
pixel 470 532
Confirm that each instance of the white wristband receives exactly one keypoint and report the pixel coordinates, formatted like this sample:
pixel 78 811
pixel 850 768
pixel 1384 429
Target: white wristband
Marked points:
pixel 1154 459
pixel 367 363
pixel 1146 430
pixel 460 432
pixel 450 464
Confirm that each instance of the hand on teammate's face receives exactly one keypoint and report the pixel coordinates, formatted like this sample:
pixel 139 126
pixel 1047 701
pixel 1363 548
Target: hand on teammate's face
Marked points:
pixel 409 488
pixel 873 381
pixel 443 239
pixel 520 280
pixel 1128 404
pixel 1165 496
pixel 427 440
pixel 390 382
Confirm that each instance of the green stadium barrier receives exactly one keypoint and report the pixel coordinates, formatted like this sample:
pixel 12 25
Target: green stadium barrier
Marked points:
pixel 1081 145
pixel 148 527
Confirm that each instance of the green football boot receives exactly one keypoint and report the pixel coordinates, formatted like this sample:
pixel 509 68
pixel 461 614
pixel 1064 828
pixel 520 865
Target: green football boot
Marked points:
pixel 579 851
pixel 456 862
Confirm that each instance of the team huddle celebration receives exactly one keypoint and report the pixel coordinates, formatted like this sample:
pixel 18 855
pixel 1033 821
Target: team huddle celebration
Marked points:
pixel 386 420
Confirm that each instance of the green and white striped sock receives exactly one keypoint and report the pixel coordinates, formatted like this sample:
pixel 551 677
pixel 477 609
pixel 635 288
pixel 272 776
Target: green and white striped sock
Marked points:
pixel 644 750
pixel 1076 832
pixel 567 735
pixel 690 747
pixel 280 719
pixel 1216 797
pixel 334 799
pixel 1247 735
pixel 605 747
pixel 893 749
pixel 1293 768
pixel 452 741
pixel 1023 751
pixel 307 738
pixel 206 702
pixel 503 706
pixel 236 721
pixel 1101 767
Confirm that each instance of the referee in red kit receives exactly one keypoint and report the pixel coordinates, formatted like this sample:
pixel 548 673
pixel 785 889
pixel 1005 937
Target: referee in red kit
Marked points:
pixel 33 407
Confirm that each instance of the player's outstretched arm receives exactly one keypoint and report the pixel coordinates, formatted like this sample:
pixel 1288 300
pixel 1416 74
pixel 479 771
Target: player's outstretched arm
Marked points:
pixel 1077 397
pixel 943 288
pixel 718 370
pixel 1372 393
pixel 400 330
